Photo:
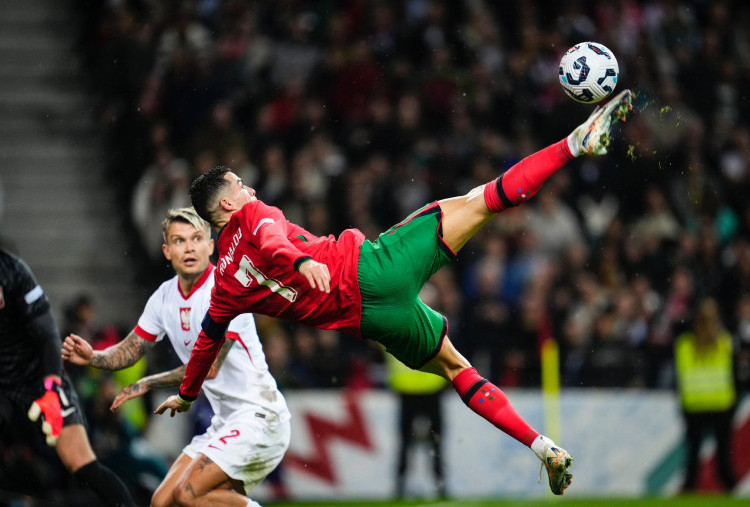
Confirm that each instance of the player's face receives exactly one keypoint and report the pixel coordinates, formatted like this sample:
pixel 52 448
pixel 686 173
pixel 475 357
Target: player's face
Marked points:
pixel 188 248
pixel 239 194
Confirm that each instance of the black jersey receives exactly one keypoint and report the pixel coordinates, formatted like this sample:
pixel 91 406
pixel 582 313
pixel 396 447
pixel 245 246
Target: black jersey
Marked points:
pixel 25 348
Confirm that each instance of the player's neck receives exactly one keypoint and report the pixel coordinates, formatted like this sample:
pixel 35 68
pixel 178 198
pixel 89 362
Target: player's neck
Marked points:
pixel 188 282
pixel 220 223
pixel 224 219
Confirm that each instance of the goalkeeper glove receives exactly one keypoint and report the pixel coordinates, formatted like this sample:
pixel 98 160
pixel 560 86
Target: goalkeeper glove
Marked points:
pixel 53 406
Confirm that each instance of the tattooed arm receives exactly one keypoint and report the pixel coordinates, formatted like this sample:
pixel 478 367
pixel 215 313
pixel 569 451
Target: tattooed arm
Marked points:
pixel 126 353
pixel 170 378
pixel 165 379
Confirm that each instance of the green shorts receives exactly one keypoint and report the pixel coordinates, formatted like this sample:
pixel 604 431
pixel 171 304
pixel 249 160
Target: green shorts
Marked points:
pixel 391 272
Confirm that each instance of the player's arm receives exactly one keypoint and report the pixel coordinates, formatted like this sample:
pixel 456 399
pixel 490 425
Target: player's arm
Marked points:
pixel 122 355
pixel 170 378
pixel 49 407
pixel 42 330
pixel 216 366
pixel 205 351
pixel 275 245
pixel 166 379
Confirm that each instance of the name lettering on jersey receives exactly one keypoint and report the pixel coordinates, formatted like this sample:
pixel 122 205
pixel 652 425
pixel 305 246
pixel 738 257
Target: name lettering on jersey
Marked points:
pixel 2 298
pixel 185 319
pixel 229 257
pixel 248 272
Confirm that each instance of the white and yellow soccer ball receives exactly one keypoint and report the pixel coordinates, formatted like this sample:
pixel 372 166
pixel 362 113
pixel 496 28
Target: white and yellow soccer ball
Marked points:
pixel 589 72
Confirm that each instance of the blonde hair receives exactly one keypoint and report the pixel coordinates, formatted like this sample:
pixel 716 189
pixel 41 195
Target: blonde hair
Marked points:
pixel 185 216
pixel 708 323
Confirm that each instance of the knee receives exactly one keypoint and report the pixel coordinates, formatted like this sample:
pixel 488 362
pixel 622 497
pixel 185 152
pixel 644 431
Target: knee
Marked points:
pixel 448 363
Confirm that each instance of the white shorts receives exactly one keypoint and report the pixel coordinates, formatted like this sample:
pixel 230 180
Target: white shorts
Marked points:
pixel 247 446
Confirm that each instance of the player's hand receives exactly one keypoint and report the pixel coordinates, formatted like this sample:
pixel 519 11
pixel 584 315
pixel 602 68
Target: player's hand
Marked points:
pixel 175 404
pixel 317 275
pixel 128 393
pixel 213 372
pixel 77 350
pixel 51 407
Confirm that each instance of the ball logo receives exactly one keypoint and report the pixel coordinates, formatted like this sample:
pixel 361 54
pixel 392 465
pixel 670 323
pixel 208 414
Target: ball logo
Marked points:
pixel 599 51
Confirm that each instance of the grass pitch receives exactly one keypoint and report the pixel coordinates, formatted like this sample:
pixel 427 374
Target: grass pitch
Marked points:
pixel 686 501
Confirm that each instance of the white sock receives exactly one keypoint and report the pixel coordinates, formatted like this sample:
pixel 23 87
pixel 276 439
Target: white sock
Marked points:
pixel 539 444
pixel 573 146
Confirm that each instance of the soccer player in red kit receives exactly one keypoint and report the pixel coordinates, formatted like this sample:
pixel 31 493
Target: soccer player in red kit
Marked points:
pixel 370 288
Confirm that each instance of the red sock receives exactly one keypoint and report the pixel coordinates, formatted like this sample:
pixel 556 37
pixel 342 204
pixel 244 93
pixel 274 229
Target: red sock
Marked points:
pixel 487 400
pixel 524 179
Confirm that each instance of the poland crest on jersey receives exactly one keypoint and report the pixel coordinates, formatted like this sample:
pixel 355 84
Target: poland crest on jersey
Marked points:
pixel 185 318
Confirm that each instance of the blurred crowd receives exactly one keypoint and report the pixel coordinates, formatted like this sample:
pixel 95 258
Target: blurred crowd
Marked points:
pixel 353 113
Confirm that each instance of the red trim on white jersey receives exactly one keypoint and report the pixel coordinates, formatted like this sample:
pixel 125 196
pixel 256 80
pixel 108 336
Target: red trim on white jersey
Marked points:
pixel 236 337
pixel 208 272
pixel 144 334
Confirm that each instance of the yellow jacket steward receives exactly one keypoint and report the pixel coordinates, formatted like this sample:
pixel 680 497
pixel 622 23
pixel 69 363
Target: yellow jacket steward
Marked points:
pixel 404 380
pixel 705 377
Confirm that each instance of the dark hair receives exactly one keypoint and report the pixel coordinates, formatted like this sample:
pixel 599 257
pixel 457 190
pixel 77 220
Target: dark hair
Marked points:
pixel 204 189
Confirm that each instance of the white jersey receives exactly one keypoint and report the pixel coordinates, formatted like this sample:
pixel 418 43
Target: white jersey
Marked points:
pixel 243 382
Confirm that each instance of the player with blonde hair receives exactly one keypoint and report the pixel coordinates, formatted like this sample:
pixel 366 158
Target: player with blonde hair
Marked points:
pixel 250 432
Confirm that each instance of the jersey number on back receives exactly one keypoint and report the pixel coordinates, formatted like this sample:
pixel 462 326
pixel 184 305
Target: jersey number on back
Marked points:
pixel 248 272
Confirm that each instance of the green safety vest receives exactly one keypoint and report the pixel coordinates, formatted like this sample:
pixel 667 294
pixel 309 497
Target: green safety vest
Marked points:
pixel 404 380
pixel 705 379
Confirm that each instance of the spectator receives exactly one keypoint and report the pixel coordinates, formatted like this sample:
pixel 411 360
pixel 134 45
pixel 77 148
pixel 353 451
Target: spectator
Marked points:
pixel 337 109
pixel 704 357
pixel 163 186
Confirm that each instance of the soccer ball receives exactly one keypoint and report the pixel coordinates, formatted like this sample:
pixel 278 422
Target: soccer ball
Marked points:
pixel 588 72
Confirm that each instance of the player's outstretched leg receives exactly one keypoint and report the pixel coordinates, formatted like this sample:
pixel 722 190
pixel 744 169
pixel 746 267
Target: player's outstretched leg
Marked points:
pixel 463 216
pixel 519 183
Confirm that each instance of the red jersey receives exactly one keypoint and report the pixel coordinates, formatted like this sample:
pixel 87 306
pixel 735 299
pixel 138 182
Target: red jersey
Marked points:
pixel 256 271
pixel 258 252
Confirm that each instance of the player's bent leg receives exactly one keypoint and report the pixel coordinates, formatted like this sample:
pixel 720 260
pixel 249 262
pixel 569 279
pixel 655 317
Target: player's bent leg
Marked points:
pixel 479 394
pixel 204 483
pixel 489 401
pixel 162 497
pixel 448 362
